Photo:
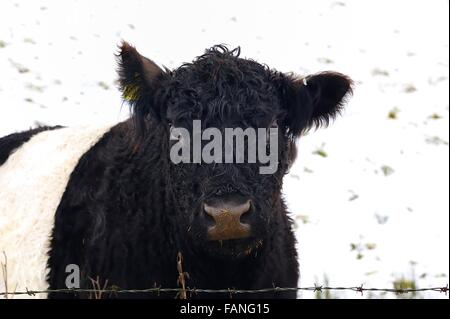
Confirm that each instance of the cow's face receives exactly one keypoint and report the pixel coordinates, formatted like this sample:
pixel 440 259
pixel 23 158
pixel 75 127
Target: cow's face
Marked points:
pixel 230 127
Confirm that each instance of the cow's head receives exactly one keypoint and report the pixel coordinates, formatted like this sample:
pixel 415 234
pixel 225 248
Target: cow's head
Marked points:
pixel 227 208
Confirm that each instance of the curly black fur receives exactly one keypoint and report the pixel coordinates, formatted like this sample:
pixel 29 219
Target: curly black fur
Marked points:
pixel 128 210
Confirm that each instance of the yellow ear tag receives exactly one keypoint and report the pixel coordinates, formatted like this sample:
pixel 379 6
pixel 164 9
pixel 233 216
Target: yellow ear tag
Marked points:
pixel 131 93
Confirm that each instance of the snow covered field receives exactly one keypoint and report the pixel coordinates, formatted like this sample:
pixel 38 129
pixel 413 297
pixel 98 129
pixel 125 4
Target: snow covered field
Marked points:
pixel 369 194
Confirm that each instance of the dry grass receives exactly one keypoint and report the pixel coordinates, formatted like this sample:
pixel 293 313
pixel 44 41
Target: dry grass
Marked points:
pixel 4 266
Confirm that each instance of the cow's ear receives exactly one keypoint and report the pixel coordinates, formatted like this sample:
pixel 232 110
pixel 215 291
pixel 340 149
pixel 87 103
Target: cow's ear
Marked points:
pixel 314 101
pixel 139 78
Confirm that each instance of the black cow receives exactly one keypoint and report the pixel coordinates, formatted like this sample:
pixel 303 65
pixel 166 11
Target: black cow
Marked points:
pixel 127 211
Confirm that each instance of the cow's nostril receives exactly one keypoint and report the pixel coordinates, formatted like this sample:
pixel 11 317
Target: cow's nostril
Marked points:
pixel 209 219
pixel 227 218
pixel 245 217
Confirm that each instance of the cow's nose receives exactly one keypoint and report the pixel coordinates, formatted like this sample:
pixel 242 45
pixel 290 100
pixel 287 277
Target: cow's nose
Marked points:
pixel 227 218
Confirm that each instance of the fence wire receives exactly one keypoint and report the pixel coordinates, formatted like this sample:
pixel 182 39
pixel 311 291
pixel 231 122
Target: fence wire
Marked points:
pixel 183 291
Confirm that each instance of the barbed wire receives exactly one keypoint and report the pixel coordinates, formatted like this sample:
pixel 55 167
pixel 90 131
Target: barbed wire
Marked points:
pixel 230 291
pixel 181 292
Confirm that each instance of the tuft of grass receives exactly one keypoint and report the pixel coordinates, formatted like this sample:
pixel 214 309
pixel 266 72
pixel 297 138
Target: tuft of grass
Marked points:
pixel 325 60
pixel 360 248
pixel 387 170
pixel 20 68
pixel 435 116
pixel 338 4
pixel 403 283
pixel 320 152
pixel 393 114
pixel 353 196
pixel 324 294
pixel 103 85
pixel 29 40
pixel 410 88
pixel 436 140
pixel 34 87
pixel 380 72
pixel 381 219
pixel 303 218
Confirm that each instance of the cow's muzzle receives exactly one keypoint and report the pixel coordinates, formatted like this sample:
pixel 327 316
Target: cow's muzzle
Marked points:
pixel 227 219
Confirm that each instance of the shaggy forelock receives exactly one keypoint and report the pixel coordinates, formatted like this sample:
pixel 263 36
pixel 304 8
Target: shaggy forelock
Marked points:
pixel 220 86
